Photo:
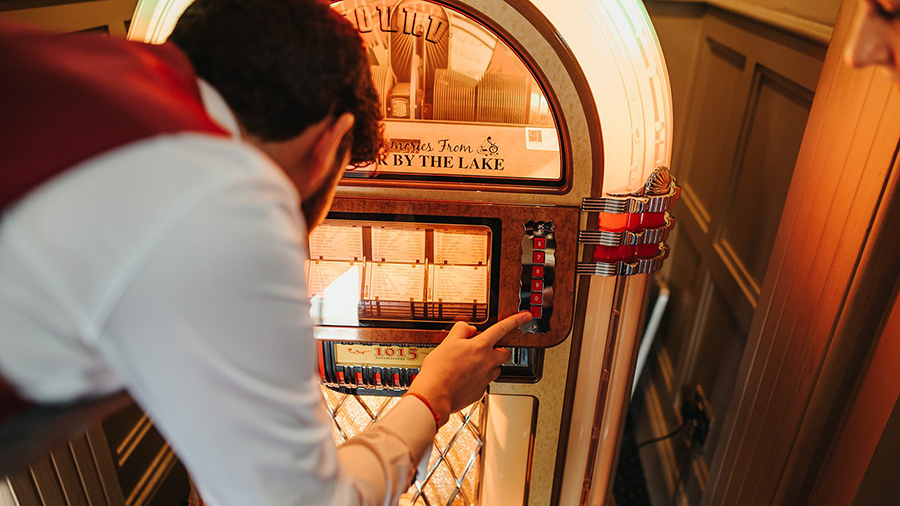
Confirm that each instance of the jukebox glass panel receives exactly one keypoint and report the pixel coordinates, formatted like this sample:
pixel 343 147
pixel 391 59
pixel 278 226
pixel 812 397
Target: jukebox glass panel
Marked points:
pixel 459 103
pixel 367 272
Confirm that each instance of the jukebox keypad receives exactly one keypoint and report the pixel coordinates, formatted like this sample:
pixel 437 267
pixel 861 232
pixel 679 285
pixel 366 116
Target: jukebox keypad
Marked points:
pixel 538 263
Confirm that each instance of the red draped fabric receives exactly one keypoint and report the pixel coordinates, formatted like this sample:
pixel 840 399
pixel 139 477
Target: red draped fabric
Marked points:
pixel 64 99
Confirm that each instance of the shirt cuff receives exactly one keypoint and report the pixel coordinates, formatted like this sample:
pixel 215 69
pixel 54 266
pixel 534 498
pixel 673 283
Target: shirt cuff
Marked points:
pixel 411 421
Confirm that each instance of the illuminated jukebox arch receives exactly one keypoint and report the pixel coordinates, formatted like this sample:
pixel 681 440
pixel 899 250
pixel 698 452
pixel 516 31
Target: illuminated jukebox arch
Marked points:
pixel 498 191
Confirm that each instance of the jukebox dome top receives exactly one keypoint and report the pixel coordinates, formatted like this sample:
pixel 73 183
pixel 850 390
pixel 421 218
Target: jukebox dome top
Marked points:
pixel 459 103
pixel 505 96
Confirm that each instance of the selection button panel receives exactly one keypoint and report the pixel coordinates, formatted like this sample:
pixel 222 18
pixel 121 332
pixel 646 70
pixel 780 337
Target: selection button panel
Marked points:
pixel 538 273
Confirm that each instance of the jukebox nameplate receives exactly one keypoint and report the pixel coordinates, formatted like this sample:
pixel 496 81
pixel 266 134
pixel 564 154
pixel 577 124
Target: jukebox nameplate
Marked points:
pixel 384 369
pixel 380 355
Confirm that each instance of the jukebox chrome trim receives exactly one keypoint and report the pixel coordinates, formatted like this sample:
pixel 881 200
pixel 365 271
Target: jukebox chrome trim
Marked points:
pixel 631 203
pixel 658 193
pixel 640 266
pixel 627 237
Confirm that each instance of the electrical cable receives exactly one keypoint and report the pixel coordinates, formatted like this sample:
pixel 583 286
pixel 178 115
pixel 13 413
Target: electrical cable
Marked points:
pixel 667 436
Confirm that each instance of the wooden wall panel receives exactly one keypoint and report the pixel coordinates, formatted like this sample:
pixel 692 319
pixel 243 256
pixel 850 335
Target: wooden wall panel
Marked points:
pixel 770 140
pixel 749 99
pixel 148 471
pixel 135 467
pixel 678 28
pixel 828 284
pixel 704 175
pixel 721 344
pixel 686 285
pixel 75 474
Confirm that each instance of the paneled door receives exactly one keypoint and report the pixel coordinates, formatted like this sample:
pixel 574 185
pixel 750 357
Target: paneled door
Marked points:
pixel 748 101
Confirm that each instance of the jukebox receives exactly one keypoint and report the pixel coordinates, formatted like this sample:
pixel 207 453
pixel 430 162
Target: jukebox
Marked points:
pixel 526 146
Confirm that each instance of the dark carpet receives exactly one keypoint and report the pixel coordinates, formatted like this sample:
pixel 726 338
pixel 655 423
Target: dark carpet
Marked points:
pixel 630 487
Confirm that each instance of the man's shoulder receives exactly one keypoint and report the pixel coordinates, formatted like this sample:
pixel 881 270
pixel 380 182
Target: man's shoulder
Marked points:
pixel 190 162
pixel 96 223
pixel 160 175
pixel 111 204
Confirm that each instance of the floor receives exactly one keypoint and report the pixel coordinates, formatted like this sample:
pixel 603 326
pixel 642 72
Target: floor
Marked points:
pixel 630 487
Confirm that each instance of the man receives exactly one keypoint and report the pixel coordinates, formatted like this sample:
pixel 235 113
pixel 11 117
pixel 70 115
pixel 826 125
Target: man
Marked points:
pixel 876 37
pixel 151 241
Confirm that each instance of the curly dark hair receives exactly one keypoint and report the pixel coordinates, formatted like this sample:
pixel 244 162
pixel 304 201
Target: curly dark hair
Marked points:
pixel 283 65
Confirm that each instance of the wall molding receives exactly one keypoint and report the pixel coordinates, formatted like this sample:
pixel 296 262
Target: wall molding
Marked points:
pixel 806 28
pixel 134 438
pixel 664 451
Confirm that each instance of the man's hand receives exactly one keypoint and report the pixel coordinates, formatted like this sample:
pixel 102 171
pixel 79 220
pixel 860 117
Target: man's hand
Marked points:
pixel 458 371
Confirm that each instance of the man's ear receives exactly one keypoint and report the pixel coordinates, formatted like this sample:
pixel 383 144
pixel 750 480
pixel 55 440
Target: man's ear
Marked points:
pixel 309 158
pixel 324 151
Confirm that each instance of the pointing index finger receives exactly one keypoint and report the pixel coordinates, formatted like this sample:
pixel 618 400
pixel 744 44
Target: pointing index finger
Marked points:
pixel 499 330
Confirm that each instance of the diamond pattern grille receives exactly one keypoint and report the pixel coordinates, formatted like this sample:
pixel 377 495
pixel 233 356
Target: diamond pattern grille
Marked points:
pixel 454 469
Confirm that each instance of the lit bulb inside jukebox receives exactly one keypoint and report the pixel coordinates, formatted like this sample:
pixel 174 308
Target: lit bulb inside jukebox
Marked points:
pixel 526 146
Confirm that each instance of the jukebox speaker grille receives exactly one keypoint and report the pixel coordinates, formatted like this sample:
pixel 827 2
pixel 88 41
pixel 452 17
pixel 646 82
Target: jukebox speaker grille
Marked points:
pixel 454 468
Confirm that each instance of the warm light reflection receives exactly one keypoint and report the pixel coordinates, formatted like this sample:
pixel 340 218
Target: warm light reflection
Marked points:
pixel 154 20
pixel 339 301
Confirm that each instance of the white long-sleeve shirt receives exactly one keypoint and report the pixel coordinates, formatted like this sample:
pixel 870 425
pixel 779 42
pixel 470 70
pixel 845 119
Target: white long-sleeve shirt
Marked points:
pixel 174 268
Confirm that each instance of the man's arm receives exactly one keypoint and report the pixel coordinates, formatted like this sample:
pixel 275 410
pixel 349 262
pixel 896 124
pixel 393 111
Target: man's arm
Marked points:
pixel 210 332
pixel 444 386
pixel 212 336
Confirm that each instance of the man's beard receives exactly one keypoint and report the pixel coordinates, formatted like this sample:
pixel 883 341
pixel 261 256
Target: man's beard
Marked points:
pixel 316 206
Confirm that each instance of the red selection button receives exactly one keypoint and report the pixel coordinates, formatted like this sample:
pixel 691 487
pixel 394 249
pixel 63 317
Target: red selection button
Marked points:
pixel 540 242
pixel 537 285
pixel 537 271
pixel 537 298
pixel 537 257
pixel 537 311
